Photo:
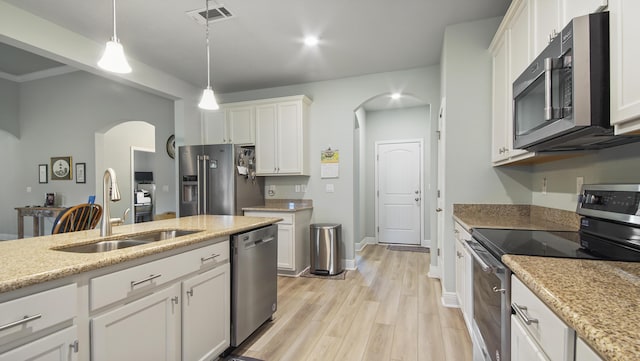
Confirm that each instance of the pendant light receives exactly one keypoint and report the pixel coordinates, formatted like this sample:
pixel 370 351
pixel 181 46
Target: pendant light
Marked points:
pixel 208 100
pixel 113 59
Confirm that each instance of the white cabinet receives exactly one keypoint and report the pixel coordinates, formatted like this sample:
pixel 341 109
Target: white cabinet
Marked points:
pixel 464 275
pixel 523 347
pixel 206 314
pixel 232 124
pixel 282 136
pixel 146 329
pixel 511 51
pixel 555 340
pixel 546 22
pixel 584 352
pixel 573 8
pixel 59 346
pixel 293 239
pixel 625 57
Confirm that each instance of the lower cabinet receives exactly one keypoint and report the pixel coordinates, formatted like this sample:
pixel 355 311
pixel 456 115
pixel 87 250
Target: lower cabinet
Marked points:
pixel 206 313
pixel 293 239
pixel 59 346
pixel 146 329
pixel 584 352
pixel 464 275
pixel 523 347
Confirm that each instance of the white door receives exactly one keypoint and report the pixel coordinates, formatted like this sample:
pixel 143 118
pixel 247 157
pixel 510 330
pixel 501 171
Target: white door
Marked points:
pixel 289 138
pixel 54 347
pixel 399 185
pixel 266 123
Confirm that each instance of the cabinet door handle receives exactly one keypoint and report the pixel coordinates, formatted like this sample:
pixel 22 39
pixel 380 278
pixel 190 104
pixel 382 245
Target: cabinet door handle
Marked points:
pixel 520 312
pixel 74 346
pixel 150 278
pixel 438 209
pixel 204 259
pixel 24 320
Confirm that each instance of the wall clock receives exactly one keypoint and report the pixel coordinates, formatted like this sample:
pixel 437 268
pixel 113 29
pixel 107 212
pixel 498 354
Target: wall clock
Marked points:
pixel 171 146
pixel 60 168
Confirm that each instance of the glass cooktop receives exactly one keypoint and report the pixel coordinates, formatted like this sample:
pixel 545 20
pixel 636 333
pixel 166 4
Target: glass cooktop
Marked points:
pixel 531 243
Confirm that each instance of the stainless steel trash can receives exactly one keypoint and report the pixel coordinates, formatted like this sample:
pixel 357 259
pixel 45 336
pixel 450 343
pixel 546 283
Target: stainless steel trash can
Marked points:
pixel 326 245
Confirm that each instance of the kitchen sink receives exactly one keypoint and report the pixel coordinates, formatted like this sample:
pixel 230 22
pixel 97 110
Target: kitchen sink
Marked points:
pixel 127 241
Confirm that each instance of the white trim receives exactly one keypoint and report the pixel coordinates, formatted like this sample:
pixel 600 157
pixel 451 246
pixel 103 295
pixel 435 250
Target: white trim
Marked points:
pixel 426 243
pixel 46 73
pixel 420 141
pixel 450 299
pixel 349 264
pixel 7 236
pixel 365 241
pixel 434 272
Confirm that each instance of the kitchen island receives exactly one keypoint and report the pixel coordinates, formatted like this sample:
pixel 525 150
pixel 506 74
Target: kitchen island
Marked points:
pixel 172 292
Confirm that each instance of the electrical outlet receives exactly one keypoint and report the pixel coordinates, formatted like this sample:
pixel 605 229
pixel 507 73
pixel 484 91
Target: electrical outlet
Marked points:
pixel 297 188
pixel 329 188
pixel 28 189
pixel 579 183
pixel 544 185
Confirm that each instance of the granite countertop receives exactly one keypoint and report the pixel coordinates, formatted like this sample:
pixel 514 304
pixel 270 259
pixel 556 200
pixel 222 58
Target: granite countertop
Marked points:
pixel 30 261
pixel 599 299
pixel 515 216
pixel 282 205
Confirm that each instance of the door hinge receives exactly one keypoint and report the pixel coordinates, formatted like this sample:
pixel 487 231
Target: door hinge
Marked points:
pixel 378 157
pixel 438 193
pixel 438 252
pixel 378 193
pixel 437 131
pixel 378 229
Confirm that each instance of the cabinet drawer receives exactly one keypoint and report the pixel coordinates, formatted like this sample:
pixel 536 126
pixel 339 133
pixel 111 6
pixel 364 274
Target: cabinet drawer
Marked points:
pixel 556 339
pixel 287 217
pixel 460 232
pixel 119 285
pixel 29 314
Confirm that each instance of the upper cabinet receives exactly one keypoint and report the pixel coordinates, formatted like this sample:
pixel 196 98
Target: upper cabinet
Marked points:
pixel 625 57
pixel 525 31
pixel 235 124
pixel 282 136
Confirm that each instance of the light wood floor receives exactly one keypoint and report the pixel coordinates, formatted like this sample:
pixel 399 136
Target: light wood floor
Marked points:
pixel 386 310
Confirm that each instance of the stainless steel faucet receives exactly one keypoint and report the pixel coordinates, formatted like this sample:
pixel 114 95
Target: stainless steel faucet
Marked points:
pixel 109 186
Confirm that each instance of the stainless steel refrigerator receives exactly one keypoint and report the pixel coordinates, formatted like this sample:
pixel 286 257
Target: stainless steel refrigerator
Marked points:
pixel 218 179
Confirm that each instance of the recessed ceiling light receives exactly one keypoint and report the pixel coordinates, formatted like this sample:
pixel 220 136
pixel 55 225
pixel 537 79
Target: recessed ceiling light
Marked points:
pixel 396 96
pixel 311 41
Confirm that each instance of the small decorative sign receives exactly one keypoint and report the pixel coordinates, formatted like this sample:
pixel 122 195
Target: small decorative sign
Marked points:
pixel 43 174
pixel 61 168
pixel 80 172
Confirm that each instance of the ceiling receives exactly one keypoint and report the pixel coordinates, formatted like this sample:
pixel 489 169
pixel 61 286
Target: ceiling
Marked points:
pixel 261 45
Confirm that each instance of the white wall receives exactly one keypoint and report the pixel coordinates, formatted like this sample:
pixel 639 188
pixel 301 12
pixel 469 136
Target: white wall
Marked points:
pixel 469 176
pixel 331 123
pixel 396 124
pixel 59 116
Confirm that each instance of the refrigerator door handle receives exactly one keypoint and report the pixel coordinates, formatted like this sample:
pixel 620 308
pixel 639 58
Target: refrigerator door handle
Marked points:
pixel 205 184
pixel 199 194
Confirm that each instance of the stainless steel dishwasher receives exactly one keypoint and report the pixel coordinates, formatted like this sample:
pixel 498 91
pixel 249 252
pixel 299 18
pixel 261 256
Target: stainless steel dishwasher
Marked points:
pixel 253 281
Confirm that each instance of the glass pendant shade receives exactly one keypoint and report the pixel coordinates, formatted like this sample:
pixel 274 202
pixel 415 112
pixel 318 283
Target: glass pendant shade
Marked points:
pixel 208 100
pixel 113 59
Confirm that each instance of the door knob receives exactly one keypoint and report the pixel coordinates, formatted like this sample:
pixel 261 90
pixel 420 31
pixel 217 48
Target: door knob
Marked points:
pixel 417 192
pixel 438 209
pixel 417 199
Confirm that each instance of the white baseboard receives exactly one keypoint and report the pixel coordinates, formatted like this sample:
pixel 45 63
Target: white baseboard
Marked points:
pixel 365 241
pixel 426 243
pixel 350 264
pixel 450 299
pixel 7 236
pixel 434 272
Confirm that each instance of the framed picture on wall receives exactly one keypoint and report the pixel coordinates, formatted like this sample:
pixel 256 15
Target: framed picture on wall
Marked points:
pixel 80 172
pixel 43 173
pixel 61 168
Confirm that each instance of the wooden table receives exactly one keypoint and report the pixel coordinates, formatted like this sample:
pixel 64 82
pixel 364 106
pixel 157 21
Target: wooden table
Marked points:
pixel 38 214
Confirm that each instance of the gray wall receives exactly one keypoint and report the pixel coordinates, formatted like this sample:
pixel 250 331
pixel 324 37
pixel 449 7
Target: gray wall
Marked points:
pixel 469 175
pixel 9 117
pixel 331 123
pixel 59 116
pixel 614 165
pixel 396 124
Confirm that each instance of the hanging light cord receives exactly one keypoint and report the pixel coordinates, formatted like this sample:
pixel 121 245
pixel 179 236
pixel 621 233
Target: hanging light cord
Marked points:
pixel 115 37
pixel 208 51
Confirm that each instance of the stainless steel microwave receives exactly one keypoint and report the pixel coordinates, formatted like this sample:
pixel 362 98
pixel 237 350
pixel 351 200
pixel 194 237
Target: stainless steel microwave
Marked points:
pixel 561 101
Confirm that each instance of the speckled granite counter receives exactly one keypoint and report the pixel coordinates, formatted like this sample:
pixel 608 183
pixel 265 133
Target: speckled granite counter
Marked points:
pixel 30 261
pixel 282 205
pixel 599 299
pixel 515 216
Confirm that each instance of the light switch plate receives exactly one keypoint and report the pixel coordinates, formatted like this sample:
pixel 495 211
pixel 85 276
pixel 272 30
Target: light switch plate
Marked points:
pixel 579 183
pixel 329 188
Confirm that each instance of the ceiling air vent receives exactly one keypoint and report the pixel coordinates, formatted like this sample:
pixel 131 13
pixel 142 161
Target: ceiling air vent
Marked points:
pixel 216 13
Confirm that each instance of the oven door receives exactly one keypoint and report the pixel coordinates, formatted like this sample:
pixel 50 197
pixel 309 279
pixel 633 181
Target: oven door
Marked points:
pixel 491 303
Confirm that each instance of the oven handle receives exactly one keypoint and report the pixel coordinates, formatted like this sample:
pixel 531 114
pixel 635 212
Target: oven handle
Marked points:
pixel 487 262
